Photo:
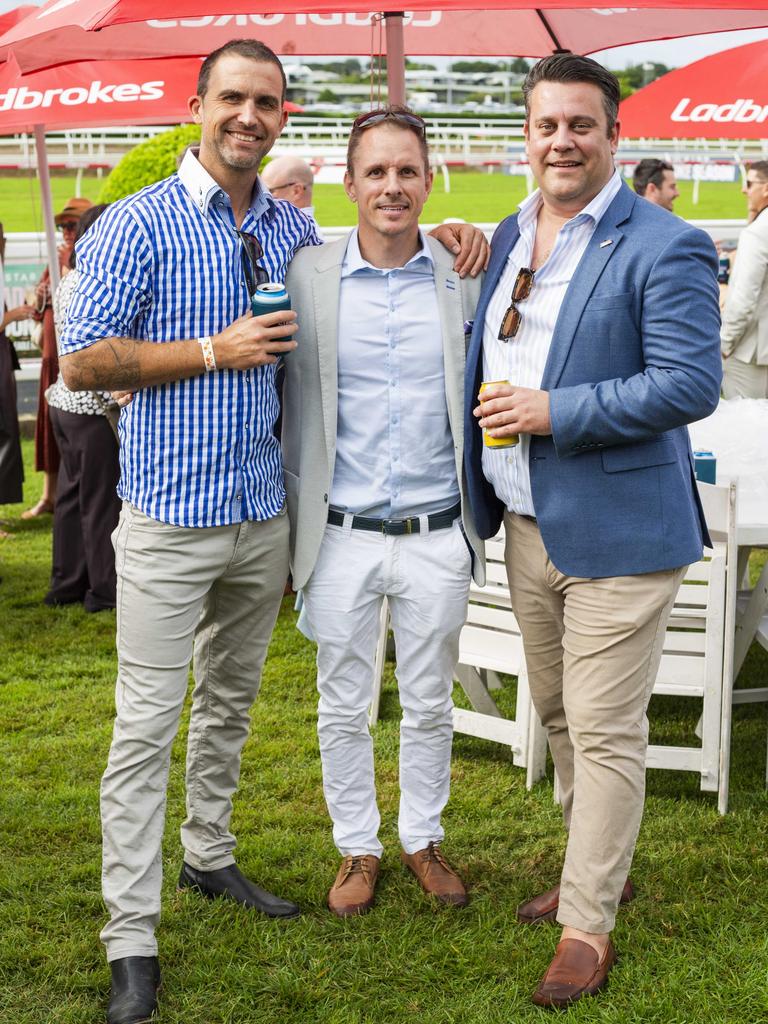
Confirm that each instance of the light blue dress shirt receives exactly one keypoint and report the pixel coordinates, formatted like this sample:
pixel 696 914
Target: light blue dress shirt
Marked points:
pixel 394 448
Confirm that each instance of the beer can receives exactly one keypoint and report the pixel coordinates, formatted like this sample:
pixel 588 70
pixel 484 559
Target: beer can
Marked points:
pixel 723 268
pixel 705 467
pixel 497 442
pixel 270 298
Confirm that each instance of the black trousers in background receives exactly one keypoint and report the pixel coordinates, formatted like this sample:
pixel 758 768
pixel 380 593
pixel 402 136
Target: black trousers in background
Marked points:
pixel 86 512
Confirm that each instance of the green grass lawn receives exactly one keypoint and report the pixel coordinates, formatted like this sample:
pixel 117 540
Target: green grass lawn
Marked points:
pixel 477 197
pixel 693 943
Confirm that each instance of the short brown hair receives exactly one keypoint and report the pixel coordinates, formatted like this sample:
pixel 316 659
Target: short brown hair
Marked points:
pixel 251 48
pixel 649 172
pixel 759 167
pixel 570 67
pixel 390 111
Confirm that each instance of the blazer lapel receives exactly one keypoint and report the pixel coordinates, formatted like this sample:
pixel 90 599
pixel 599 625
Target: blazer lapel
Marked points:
pixel 600 249
pixel 499 254
pixel 326 286
pixel 448 287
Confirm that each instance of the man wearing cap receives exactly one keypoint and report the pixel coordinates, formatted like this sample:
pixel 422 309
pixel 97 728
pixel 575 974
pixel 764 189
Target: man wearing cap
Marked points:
pixel 372 447
pixel 46 449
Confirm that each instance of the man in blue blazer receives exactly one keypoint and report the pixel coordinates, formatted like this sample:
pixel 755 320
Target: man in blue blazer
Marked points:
pixel 599 314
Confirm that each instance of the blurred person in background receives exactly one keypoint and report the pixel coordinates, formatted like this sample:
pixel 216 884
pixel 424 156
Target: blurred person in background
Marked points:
pixel 744 333
pixel 87 506
pixel 46 450
pixel 11 466
pixel 654 180
pixel 290 178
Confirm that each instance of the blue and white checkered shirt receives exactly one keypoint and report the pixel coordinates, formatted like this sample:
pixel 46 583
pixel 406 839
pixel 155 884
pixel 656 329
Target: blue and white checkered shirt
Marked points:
pixel 164 265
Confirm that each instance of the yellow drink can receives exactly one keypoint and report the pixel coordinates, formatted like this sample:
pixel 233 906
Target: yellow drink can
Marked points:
pixel 497 442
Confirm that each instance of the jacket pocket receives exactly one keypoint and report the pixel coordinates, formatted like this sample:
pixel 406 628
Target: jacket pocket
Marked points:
pixel 621 300
pixel 659 452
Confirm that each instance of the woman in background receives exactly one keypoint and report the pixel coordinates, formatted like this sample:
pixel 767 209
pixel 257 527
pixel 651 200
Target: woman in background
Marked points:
pixel 87 506
pixel 46 450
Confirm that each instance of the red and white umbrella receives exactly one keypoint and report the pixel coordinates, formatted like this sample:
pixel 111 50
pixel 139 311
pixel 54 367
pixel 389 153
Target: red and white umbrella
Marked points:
pixel 724 96
pixel 66 30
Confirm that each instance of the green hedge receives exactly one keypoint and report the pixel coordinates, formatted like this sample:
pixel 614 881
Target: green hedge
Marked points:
pixel 149 162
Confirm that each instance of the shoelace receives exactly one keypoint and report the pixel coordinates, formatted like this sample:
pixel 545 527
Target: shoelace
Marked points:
pixel 356 866
pixel 434 855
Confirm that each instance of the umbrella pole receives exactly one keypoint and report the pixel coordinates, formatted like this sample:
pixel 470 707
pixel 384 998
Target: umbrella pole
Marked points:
pixel 395 58
pixel 45 194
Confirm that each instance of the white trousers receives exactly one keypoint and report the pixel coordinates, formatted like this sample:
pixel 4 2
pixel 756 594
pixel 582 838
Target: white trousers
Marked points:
pixel 425 576
pixel 217 590
pixel 744 380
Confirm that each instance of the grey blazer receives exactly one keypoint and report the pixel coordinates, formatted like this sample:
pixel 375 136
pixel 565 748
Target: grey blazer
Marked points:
pixel 310 394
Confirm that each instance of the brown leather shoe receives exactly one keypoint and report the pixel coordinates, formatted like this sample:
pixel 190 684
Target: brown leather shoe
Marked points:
pixel 575 971
pixel 435 875
pixel 354 890
pixel 543 908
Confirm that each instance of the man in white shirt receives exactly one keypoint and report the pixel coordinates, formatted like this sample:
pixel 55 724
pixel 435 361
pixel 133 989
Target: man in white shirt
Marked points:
pixel 744 334
pixel 372 444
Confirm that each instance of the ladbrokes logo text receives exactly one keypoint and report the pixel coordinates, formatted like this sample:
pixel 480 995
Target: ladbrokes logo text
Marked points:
pixel 23 98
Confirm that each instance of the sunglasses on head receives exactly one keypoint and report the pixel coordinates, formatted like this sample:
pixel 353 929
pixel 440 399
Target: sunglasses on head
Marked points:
pixel 373 117
pixel 512 319
pixel 250 254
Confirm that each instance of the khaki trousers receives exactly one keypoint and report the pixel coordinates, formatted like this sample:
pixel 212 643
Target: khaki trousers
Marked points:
pixel 744 380
pixel 216 590
pixel 592 649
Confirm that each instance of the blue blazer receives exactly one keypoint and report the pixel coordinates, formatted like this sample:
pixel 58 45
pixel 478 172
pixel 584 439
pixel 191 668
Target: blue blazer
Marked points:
pixel 635 356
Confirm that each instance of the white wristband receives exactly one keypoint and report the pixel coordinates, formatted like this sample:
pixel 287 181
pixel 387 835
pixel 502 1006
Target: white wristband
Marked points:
pixel 206 344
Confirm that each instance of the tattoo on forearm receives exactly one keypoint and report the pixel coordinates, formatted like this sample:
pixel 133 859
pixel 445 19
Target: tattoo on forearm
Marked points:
pixel 113 366
pixel 125 375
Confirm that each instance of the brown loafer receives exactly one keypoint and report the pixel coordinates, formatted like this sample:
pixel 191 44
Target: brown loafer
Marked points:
pixel 543 908
pixel 575 971
pixel 354 891
pixel 436 876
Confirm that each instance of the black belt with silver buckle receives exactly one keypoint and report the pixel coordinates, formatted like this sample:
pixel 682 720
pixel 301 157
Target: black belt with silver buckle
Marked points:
pixel 398 527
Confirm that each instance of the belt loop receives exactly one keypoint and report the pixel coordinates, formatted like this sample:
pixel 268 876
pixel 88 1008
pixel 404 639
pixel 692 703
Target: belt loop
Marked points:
pixel 424 525
pixel 347 524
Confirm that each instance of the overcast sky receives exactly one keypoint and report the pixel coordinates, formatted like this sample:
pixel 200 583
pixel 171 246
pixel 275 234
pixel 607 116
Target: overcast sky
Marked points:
pixel 672 52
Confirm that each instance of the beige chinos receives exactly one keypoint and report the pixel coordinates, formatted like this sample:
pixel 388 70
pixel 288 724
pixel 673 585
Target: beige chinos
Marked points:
pixel 217 590
pixel 592 650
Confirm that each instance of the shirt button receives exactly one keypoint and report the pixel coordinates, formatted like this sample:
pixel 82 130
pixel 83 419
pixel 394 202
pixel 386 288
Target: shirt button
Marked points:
pixel 239 497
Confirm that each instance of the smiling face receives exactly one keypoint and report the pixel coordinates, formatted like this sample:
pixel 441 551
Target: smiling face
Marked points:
pixel 241 115
pixel 390 184
pixel 569 145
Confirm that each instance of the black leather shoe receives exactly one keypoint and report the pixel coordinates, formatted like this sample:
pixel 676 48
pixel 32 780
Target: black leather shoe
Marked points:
pixel 229 883
pixel 135 981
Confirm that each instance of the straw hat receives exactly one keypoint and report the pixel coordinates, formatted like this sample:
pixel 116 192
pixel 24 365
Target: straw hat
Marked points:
pixel 74 210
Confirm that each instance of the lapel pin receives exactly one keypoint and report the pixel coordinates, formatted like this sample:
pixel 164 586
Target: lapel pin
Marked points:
pixel 608 241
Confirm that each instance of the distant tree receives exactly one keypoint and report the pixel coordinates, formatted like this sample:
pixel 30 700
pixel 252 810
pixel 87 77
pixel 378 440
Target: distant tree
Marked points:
pixel 478 66
pixel 350 66
pixel 520 66
pixel 638 75
pixel 327 96
pixel 414 65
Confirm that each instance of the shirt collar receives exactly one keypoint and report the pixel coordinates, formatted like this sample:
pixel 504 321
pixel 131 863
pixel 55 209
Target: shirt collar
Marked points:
pixel 354 260
pixel 594 210
pixel 203 188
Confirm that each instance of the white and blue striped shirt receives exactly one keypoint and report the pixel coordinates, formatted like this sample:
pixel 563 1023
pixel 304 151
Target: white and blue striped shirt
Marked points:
pixel 164 265
pixel 522 360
